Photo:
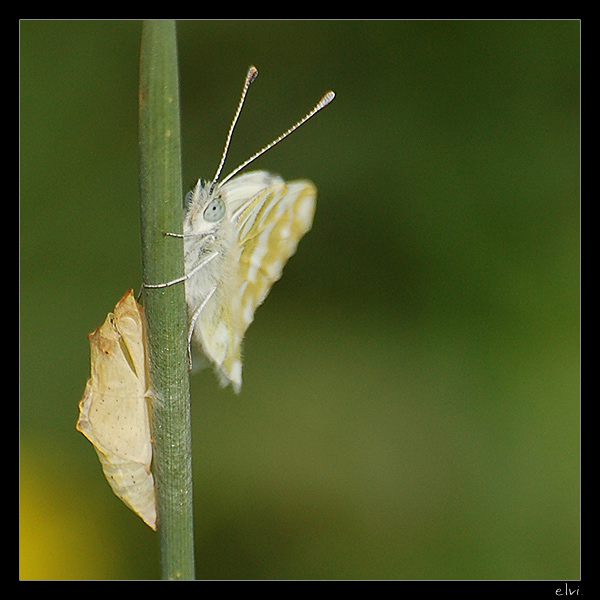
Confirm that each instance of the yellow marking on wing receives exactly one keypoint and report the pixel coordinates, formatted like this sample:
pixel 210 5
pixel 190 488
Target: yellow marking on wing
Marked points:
pixel 284 216
pixel 269 226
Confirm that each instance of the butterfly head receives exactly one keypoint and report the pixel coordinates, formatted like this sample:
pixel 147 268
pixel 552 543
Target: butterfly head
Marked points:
pixel 205 207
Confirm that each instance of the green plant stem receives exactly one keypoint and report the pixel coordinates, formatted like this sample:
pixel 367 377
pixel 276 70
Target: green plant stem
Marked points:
pixel 162 261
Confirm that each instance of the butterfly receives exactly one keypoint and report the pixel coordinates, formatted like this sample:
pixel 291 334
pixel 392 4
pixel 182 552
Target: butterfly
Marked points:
pixel 238 234
pixel 113 413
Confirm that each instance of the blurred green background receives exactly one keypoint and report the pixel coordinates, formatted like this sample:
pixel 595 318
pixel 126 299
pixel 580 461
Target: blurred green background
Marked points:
pixel 410 406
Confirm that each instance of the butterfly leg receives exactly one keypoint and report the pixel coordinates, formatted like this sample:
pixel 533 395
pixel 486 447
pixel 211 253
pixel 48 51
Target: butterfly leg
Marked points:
pixel 199 266
pixel 193 320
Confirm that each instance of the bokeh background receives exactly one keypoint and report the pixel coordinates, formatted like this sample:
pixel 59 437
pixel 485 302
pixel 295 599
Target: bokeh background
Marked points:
pixel 410 406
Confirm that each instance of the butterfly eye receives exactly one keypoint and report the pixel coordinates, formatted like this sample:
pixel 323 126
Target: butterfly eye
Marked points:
pixel 215 210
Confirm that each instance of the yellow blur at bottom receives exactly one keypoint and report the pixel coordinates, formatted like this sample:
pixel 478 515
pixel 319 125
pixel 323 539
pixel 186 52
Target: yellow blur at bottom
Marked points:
pixel 58 540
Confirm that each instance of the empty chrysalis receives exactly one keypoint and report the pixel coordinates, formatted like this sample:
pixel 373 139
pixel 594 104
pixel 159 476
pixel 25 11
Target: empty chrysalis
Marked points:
pixel 238 235
pixel 113 413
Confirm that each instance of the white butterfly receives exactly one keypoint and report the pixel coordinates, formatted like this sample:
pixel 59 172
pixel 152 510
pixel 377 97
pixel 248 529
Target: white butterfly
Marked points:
pixel 238 235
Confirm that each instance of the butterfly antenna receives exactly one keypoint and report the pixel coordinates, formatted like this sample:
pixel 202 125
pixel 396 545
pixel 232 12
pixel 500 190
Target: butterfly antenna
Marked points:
pixel 250 77
pixel 322 103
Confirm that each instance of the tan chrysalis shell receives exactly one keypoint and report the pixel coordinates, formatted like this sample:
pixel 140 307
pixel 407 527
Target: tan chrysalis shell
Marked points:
pixel 113 413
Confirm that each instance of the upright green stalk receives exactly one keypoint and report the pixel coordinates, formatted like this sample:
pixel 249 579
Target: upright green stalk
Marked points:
pixel 162 261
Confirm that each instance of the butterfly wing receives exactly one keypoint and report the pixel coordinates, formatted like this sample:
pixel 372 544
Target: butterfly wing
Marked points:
pixel 269 217
pixel 269 228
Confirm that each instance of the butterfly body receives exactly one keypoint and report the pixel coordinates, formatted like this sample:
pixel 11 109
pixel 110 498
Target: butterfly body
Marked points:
pixel 241 234
pixel 238 234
